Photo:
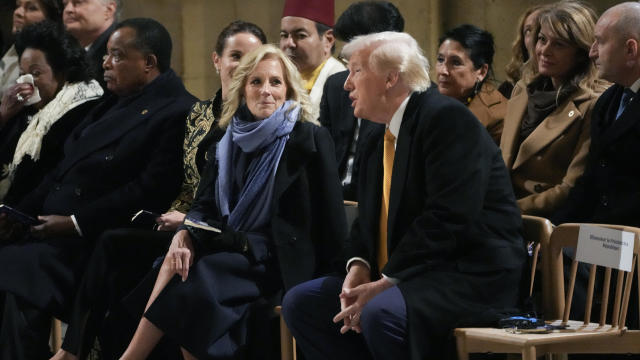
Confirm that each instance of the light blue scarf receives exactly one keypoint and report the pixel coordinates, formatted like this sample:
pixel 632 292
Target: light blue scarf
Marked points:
pixel 245 134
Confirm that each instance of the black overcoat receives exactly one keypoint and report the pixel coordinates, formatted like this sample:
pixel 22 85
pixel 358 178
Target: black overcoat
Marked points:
pixel 308 225
pixel 306 232
pixel 453 226
pixel 30 173
pixel 608 192
pixel 115 163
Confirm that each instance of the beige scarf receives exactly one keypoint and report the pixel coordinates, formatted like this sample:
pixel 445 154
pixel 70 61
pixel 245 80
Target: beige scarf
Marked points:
pixel 30 142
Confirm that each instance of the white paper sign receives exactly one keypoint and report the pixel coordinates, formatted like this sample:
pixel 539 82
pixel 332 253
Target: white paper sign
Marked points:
pixel 605 247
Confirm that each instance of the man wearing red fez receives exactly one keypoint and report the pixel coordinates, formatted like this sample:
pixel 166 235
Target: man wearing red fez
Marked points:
pixel 306 36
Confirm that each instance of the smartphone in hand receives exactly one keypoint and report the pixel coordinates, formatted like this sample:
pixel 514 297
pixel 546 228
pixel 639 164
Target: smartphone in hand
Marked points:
pixel 19 216
pixel 145 218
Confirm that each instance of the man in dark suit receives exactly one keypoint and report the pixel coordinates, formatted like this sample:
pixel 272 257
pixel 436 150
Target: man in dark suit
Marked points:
pixel 437 240
pixel 609 190
pixel 336 113
pixel 124 156
pixel 91 22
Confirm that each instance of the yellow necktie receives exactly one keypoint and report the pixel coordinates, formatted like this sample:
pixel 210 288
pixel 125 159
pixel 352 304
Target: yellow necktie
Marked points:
pixel 387 162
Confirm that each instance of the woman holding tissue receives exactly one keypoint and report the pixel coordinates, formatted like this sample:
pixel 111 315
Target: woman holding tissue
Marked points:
pixel 38 113
pixel 26 12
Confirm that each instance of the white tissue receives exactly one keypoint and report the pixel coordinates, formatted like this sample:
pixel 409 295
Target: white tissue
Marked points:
pixel 35 97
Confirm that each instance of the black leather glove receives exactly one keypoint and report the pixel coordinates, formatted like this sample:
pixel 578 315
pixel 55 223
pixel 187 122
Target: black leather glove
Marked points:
pixel 209 242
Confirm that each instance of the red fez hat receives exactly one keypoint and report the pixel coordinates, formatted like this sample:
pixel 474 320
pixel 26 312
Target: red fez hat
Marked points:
pixel 320 11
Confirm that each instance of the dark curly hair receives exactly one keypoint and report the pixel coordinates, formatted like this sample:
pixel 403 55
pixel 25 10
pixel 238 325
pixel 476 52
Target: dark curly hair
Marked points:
pixel 52 10
pixel 237 27
pixel 62 51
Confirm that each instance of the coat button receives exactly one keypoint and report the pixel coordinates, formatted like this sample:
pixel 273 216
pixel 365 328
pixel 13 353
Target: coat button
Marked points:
pixel 56 187
pixel 603 163
pixel 78 191
pixel 109 157
pixel 538 188
pixel 571 113
pixel 604 201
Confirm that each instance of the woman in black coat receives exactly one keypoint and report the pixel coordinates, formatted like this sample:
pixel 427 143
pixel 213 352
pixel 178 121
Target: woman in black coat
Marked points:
pixel 37 115
pixel 272 198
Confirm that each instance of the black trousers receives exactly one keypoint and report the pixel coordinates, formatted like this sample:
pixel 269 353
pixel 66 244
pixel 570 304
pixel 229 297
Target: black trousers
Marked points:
pixel 121 258
pixel 25 331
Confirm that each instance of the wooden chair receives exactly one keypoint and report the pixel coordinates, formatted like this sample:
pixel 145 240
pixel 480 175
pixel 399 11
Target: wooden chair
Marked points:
pixel 537 231
pixel 56 335
pixel 580 336
pixel 351 211
pixel 287 342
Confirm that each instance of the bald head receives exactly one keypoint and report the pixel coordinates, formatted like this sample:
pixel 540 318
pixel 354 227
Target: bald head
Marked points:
pixel 624 19
pixel 616 49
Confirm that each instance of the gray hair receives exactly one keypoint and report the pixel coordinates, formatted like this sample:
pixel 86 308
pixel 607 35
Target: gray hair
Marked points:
pixel 396 51
pixel 118 12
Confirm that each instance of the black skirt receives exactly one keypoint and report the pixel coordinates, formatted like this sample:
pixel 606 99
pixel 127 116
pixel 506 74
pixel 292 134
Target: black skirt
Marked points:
pixel 208 313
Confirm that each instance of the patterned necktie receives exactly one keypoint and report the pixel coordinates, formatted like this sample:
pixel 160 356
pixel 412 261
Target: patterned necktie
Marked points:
pixel 627 95
pixel 387 162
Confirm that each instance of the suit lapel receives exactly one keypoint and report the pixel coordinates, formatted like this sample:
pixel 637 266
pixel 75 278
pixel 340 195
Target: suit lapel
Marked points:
pixel 370 199
pixel 400 164
pixel 511 132
pixel 552 127
pixel 110 128
pixel 291 163
pixel 627 120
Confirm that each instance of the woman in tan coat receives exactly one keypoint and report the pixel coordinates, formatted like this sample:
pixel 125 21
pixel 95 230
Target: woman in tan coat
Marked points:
pixel 545 139
pixel 464 72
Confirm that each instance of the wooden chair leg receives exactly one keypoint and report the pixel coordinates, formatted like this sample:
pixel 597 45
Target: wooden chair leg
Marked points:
pixel 287 342
pixel 462 348
pixel 529 353
pixel 56 335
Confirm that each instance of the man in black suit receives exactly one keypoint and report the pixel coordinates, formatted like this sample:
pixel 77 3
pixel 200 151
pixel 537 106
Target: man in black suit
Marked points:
pixel 126 155
pixel 336 113
pixel 609 190
pixel 91 22
pixel 437 240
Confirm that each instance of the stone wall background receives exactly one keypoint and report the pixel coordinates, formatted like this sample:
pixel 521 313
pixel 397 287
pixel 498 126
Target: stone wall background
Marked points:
pixel 195 24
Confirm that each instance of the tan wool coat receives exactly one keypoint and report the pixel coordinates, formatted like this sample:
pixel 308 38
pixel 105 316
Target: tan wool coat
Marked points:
pixel 546 165
pixel 490 107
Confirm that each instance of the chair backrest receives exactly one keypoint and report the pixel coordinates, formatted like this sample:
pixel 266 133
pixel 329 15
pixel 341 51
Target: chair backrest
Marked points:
pixel 536 232
pixel 351 210
pixel 566 236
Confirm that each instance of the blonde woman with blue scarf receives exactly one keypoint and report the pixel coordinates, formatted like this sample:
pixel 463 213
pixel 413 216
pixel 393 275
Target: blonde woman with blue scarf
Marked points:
pixel 273 192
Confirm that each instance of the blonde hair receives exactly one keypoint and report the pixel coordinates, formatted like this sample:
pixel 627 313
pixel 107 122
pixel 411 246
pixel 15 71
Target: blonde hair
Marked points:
pixel 574 23
pixel 248 63
pixel 396 51
pixel 519 52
